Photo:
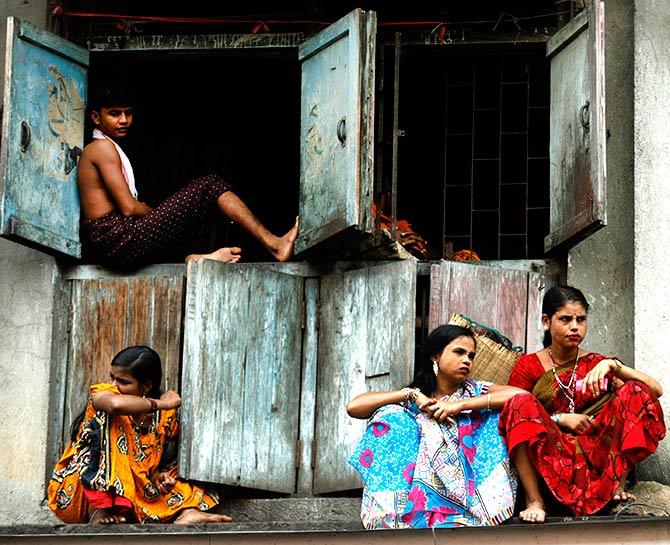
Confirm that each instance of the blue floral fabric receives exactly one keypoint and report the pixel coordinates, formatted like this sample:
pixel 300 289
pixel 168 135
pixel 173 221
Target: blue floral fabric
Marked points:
pixel 419 473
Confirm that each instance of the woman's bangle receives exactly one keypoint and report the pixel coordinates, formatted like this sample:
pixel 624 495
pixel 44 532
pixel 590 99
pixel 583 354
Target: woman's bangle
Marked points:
pixel 154 405
pixel 488 402
pixel 617 367
pixel 556 418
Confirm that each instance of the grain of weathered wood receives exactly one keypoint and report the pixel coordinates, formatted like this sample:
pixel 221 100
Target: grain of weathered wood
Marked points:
pixel 578 204
pixel 336 144
pixel 43 135
pixel 58 374
pixel 492 296
pixel 538 284
pixel 241 376
pixel 366 339
pixel 109 314
pixel 308 388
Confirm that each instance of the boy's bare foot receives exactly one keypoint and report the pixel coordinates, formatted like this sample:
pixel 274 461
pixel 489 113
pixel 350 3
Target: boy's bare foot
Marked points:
pixel 534 512
pixel 284 247
pixel 195 516
pixel 225 255
pixel 106 516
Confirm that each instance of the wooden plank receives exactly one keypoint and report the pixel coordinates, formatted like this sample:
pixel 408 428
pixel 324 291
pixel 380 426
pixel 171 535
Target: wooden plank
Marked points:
pixel 512 308
pixel 242 345
pixel 56 424
pixel 492 296
pixel 308 389
pixel 336 131
pixel 366 338
pixel 109 314
pixel 97 334
pixel 577 142
pixel 436 297
pixel 538 284
pixel 43 135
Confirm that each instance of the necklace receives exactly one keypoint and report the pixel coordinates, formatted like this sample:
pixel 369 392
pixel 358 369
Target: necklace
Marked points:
pixel 569 388
pixel 143 424
pixel 449 396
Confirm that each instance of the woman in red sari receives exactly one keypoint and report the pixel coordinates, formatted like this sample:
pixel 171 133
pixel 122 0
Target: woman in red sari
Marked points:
pixel 587 420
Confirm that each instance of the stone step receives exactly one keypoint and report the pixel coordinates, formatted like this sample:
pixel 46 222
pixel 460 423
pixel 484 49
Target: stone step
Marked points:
pixel 288 510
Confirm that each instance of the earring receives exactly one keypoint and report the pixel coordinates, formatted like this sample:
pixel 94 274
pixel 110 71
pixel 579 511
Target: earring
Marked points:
pixel 546 328
pixel 436 369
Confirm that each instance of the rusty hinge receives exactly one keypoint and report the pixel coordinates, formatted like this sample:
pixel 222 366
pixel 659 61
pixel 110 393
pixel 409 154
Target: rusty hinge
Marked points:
pixel 313 462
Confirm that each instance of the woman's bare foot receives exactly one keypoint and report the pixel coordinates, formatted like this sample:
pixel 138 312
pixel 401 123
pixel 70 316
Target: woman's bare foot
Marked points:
pixel 106 516
pixel 283 250
pixel 620 494
pixel 195 516
pixel 534 512
pixel 225 255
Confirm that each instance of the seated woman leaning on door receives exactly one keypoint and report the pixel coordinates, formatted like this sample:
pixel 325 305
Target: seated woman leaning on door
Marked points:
pixel 119 466
pixel 584 420
pixel 432 455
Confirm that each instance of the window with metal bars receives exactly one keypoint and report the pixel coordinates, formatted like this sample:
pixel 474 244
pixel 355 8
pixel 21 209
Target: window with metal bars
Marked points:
pixel 474 171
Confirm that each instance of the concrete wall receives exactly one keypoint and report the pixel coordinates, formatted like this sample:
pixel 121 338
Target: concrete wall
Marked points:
pixel 652 200
pixel 26 292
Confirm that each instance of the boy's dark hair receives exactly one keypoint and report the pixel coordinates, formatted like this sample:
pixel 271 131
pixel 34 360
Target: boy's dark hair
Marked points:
pixel 107 94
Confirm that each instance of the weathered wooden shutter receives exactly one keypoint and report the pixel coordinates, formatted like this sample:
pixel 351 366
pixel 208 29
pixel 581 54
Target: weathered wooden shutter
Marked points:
pixel 505 299
pixel 336 132
pixel 42 138
pixel 109 314
pixel 578 202
pixel 366 342
pixel 241 375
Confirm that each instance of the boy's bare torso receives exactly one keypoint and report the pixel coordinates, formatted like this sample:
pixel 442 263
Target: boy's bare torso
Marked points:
pixel 96 200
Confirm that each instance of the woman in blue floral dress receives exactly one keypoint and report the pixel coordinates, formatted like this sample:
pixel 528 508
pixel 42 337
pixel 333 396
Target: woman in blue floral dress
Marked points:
pixel 431 455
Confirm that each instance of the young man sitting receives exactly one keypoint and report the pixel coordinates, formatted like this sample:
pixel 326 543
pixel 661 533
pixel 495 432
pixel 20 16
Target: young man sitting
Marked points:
pixel 122 232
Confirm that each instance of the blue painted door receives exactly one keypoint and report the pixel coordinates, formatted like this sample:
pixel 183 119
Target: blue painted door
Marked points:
pixel 42 138
pixel 336 130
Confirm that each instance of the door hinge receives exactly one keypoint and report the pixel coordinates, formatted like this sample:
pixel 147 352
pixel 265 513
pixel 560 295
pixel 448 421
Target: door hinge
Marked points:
pixel 303 315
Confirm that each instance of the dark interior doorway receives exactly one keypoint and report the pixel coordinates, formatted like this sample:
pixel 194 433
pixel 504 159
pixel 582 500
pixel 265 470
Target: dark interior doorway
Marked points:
pixel 235 115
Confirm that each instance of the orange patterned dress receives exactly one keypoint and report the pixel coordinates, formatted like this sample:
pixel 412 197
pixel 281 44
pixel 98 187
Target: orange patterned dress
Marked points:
pixel 113 455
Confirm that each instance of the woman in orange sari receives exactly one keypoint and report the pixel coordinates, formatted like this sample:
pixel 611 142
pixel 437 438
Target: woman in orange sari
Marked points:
pixel 587 420
pixel 118 466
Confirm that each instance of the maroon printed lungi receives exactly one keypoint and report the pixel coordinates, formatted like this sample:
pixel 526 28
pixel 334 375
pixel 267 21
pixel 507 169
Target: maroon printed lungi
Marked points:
pixel 172 227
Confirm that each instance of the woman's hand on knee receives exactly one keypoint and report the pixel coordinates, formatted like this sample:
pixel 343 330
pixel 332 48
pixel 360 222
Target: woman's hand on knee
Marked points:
pixel 579 424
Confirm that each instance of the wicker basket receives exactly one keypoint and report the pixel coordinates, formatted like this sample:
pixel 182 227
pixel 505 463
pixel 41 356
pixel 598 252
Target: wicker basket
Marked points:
pixel 494 361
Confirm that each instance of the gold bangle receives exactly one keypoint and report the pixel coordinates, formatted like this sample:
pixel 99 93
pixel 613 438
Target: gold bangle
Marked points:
pixel 410 394
pixel 488 402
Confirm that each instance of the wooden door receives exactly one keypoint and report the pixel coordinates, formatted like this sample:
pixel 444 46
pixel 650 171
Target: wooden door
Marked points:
pixel 336 131
pixel 504 299
pixel 578 203
pixel 109 314
pixel 241 375
pixel 366 342
pixel 42 138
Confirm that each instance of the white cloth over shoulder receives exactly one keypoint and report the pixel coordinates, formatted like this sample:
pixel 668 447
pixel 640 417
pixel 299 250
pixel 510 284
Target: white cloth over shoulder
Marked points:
pixel 126 167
